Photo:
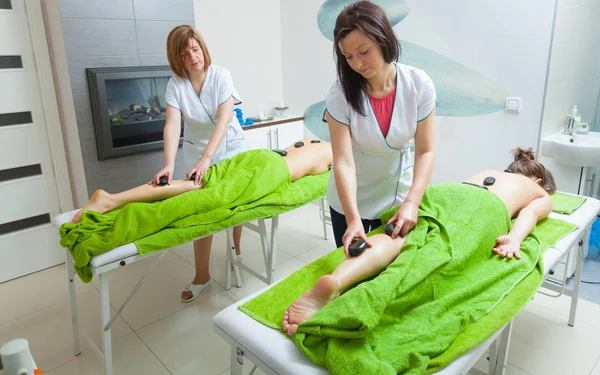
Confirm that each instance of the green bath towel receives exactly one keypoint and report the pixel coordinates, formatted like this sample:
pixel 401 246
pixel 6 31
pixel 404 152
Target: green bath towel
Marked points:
pixel 441 297
pixel 249 186
pixel 566 203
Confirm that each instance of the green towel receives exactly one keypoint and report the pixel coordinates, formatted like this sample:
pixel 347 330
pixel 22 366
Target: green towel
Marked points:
pixel 566 203
pixel 426 308
pixel 250 185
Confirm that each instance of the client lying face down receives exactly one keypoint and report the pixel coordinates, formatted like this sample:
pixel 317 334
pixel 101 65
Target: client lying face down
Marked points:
pixel 311 158
pixel 524 189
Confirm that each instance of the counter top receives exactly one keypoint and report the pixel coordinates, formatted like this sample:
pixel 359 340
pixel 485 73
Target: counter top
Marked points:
pixel 275 121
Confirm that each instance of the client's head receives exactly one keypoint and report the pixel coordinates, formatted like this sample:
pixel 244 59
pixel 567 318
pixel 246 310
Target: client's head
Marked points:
pixel 524 163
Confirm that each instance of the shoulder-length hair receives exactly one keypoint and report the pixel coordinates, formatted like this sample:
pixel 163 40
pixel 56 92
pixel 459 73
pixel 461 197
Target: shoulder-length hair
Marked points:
pixel 372 21
pixel 177 43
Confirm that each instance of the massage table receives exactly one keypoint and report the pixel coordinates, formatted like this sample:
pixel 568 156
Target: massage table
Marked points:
pixel 127 254
pixel 273 353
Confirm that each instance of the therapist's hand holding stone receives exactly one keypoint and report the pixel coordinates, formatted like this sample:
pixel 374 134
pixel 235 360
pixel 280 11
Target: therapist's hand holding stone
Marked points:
pixel 199 169
pixel 404 219
pixel 167 171
pixel 355 230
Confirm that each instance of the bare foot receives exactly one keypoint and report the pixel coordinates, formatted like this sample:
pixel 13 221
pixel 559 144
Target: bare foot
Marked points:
pixel 311 302
pixel 100 202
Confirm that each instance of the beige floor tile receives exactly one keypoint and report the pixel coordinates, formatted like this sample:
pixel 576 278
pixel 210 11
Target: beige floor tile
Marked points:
pixel 36 291
pixel 483 365
pixel 185 341
pixel 49 330
pixel 587 311
pixel 316 253
pixel 130 356
pixel 247 368
pixel 543 343
pixel 253 285
pixel 160 294
pixel 301 230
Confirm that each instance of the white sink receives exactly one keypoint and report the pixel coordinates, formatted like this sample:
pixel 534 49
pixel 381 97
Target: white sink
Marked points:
pixel 581 150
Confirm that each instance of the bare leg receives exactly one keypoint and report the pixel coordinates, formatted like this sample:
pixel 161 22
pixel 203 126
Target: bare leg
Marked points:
pixel 350 271
pixel 201 260
pixel 102 201
pixel 237 238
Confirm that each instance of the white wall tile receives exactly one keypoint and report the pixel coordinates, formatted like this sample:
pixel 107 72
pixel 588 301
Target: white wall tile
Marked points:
pixel 152 36
pixel 566 26
pixel 113 9
pixel 99 37
pixel 561 63
pixel 161 10
pixel 150 60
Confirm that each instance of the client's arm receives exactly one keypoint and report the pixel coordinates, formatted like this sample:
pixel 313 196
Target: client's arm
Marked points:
pixel 510 244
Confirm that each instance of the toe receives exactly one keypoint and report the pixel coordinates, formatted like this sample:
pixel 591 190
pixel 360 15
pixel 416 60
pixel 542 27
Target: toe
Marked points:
pixel 292 329
pixel 186 295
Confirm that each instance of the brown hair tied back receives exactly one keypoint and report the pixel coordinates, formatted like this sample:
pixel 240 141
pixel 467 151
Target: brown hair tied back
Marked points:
pixel 524 163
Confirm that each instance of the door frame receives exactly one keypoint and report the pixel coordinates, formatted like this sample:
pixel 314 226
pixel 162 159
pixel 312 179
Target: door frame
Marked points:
pixel 41 57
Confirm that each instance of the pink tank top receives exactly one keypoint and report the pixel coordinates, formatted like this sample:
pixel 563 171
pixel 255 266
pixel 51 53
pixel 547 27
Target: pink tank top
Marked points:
pixel 383 107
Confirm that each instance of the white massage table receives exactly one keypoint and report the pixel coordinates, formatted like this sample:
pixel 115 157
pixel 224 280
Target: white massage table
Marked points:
pixel 127 254
pixel 273 353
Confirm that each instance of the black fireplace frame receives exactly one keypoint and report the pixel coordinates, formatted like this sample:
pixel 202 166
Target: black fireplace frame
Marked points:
pixel 152 130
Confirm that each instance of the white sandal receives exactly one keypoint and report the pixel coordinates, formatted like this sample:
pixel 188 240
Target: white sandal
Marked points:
pixel 237 257
pixel 195 289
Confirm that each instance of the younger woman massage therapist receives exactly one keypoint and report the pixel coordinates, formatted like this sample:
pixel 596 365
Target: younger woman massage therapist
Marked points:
pixel 374 110
pixel 203 95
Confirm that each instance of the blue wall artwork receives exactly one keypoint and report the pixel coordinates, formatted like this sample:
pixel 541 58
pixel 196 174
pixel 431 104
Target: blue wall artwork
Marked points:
pixel 461 91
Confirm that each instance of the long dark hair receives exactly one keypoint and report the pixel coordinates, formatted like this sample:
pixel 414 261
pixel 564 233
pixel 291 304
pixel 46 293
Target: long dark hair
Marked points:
pixel 372 21
pixel 524 163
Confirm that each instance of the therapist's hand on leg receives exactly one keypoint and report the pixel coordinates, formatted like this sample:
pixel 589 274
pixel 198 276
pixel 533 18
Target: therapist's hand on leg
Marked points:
pixel 355 230
pixel 404 219
pixel 199 169
pixel 167 171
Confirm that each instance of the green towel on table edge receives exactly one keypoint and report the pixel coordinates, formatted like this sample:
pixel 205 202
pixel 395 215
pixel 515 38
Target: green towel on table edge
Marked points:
pixel 440 298
pixel 566 203
pixel 251 185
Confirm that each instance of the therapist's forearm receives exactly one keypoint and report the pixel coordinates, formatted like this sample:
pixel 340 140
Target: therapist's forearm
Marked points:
pixel 422 171
pixel 171 135
pixel 345 180
pixel 216 138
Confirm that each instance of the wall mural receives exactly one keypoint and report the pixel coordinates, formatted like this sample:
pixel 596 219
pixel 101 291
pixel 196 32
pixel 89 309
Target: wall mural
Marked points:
pixel 461 91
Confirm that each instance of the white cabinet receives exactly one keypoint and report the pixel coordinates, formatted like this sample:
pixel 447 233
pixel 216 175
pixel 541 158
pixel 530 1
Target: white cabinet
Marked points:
pixel 276 136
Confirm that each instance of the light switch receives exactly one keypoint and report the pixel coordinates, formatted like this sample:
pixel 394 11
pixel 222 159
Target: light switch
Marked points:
pixel 513 105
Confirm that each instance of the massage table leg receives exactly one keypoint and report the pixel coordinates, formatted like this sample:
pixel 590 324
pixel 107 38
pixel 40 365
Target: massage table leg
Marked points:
pixel 73 303
pixel 237 361
pixel 501 359
pixel 106 330
pixel 323 214
pixel 579 259
pixel 231 255
pixel 270 263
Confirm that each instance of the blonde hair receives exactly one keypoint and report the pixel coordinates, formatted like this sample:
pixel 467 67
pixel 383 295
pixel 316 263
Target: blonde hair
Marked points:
pixel 177 43
pixel 524 163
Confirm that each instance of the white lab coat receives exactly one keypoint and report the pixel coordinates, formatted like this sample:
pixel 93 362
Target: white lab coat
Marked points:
pixel 199 114
pixel 384 172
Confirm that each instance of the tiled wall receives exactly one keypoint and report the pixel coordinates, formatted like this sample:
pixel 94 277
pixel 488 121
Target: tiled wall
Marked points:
pixel 112 33
pixel 574 76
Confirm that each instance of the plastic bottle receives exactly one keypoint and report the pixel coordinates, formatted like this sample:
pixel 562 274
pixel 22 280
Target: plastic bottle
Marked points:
pixel 576 116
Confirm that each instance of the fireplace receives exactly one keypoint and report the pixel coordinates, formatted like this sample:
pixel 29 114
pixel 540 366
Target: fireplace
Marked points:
pixel 128 107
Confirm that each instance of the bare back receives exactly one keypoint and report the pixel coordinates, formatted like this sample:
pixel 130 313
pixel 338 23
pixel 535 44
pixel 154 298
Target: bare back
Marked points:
pixel 515 190
pixel 310 159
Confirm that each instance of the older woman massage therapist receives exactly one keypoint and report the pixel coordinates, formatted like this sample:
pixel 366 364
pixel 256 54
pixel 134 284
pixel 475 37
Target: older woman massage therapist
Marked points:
pixel 374 110
pixel 204 95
